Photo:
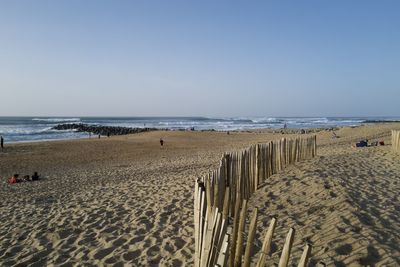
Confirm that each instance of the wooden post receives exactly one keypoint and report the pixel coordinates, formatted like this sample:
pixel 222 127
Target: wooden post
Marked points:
pixel 224 230
pixel 283 262
pixel 219 230
pixel 225 210
pixel 250 165
pixel 222 257
pixel 209 193
pixel 396 140
pixel 315 145
pixel 234 234
pixel 258 167
pixel 232 182
pixel 204 235
pixel 215 182
pixel 202 223
pixel 250 239
pixel 239 243
pixel 273 159
pixel 270 158
pixel 304 257
pixel 266 244
pixel 196 221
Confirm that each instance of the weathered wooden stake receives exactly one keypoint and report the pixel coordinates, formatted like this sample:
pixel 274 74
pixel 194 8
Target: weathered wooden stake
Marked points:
pixel 267 243
pixel 283 262
pixel 250 239
pixel 239 243
pixel 304 257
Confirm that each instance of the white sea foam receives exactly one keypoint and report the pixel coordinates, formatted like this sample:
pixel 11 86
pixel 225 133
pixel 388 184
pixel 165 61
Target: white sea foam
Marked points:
pixel 50 120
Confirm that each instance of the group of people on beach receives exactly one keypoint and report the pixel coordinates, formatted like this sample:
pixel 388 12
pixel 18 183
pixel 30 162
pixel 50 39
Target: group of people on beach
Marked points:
pixel 365 143
pixel 15 178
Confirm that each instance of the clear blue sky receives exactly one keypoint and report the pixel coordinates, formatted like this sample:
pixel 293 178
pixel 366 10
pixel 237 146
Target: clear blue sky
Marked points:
pixel 216 58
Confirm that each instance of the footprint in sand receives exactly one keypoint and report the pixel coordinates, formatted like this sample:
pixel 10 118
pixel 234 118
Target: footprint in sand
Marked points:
pixel 153 251
pixel 372 257
pixel 102 253
pixel 130 256
pixel 345 249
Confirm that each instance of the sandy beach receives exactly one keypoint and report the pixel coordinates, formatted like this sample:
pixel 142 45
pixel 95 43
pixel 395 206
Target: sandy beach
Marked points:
pixel 124 200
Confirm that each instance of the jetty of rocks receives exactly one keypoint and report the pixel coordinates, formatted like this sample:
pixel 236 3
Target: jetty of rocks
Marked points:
pixel 102 130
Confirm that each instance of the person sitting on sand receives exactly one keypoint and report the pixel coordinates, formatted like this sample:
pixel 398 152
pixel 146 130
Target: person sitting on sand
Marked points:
pixel 362 143
pixel 35 176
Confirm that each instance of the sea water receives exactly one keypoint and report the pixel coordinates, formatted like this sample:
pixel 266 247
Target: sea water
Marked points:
pixel 19 129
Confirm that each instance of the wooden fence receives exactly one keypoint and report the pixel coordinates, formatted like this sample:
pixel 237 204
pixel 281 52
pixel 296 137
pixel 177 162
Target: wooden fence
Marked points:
pixel 396 140
pixel 220 203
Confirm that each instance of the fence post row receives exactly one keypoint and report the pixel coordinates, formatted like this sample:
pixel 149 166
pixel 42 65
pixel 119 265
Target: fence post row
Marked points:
pixel 220 202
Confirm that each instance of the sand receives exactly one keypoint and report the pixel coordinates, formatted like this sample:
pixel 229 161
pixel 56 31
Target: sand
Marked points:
pixel 124 200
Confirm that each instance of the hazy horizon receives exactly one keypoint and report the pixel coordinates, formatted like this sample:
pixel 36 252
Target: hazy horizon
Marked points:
pixel 207 117
pixel 208 59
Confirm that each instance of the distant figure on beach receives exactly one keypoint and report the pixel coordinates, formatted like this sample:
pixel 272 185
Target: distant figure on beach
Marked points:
pixel 2 142
pixel 35 176
pixel 99 136
pixel 108 134
pixel 285 126
pixel 161 142
pixel 362 143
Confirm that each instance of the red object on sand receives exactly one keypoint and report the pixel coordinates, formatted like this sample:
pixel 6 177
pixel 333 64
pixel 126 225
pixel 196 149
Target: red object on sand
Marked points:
pixel 12 180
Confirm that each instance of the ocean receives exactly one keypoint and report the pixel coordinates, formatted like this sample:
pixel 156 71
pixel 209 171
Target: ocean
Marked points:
pixel 24 129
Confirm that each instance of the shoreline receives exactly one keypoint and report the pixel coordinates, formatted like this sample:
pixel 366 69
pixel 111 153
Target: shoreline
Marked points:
pixel 250 130
pixel 272 130
pixel 22 129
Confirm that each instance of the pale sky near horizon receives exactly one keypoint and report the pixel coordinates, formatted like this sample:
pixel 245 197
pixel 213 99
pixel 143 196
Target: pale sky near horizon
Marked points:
pixel 187 58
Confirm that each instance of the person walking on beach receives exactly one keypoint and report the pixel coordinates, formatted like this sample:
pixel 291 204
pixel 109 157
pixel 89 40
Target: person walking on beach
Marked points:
pixel 1 142
pixel 161 142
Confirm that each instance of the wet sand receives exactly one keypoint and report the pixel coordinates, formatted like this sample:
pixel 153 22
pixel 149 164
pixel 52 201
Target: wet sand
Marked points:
pixel 126 200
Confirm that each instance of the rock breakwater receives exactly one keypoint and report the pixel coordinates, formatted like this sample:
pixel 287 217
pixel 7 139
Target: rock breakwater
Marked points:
pixel 102 130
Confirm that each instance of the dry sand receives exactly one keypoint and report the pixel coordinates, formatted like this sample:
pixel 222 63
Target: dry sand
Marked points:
pixel 124 200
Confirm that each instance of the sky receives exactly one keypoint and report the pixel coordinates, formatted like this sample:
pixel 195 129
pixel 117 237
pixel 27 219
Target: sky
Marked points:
pixel 199 58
